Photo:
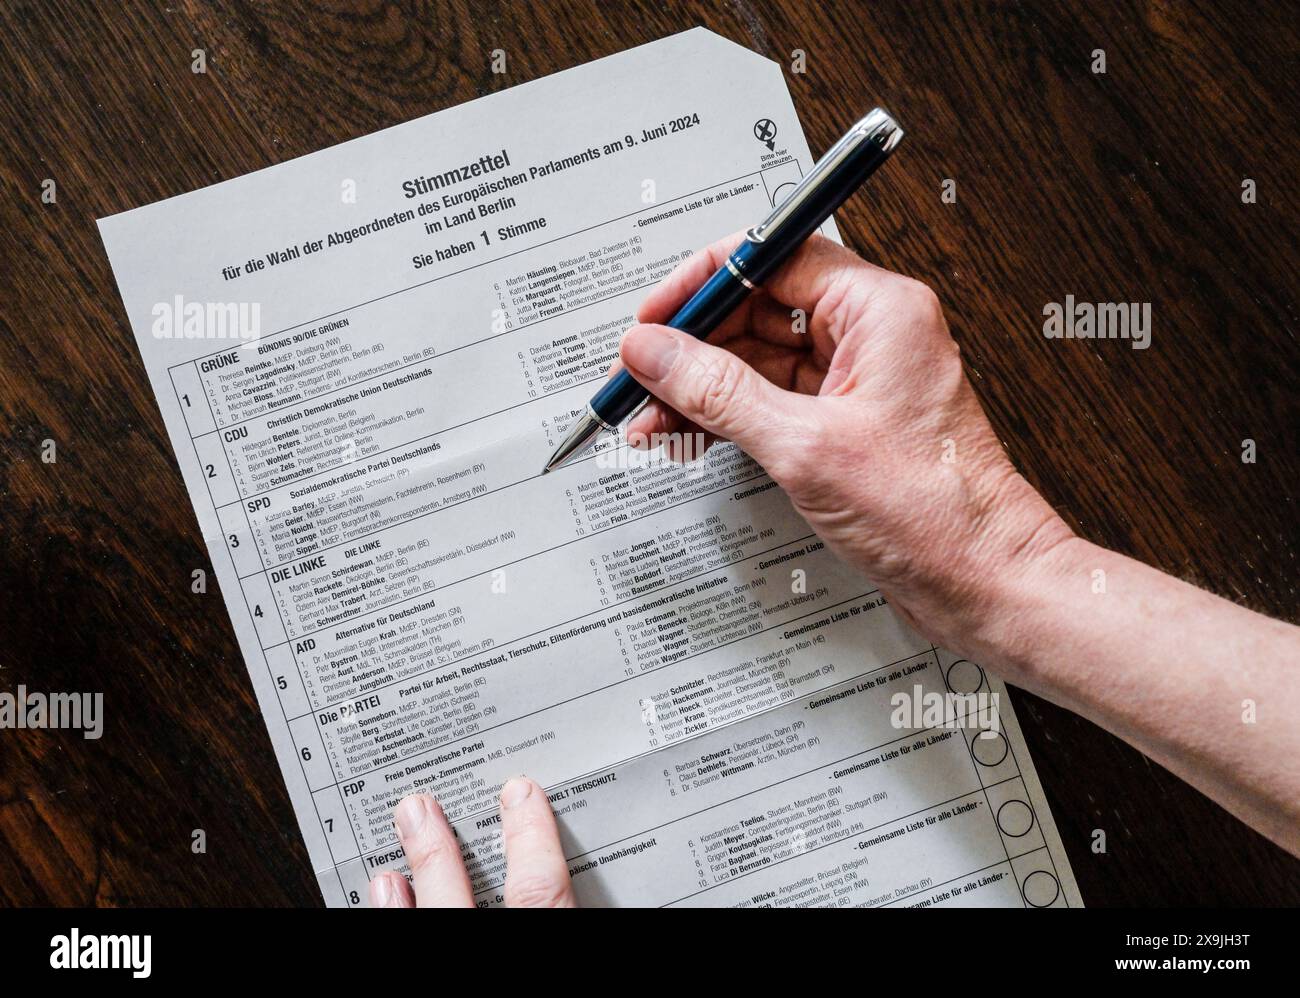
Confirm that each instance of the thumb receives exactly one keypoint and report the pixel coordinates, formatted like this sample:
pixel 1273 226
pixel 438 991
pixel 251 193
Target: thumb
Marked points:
pixel 711 387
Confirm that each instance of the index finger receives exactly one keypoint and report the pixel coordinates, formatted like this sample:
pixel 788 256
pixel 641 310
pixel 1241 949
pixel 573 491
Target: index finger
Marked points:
pixel 537 875
pixel 433 854
pixel 818 267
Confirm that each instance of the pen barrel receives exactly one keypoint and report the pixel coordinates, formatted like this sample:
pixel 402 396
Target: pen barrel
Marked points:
pixel 770 245
pixel 767 246
pixel 701 315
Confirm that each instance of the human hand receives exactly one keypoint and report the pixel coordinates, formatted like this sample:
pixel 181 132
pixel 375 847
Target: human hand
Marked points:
pixel 869 424
pixel 866 419
pixel 536 873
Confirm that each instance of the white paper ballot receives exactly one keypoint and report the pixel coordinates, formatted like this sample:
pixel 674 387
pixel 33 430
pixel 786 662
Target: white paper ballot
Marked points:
pixel 363 358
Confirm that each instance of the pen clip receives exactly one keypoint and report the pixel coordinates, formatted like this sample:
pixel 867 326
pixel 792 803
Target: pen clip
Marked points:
pixel 878 126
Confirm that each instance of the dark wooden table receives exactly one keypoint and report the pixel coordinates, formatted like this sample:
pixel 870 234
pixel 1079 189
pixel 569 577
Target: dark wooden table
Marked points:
pixel 1122 186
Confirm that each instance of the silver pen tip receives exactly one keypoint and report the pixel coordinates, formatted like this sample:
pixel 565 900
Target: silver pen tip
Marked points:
pixel 581 434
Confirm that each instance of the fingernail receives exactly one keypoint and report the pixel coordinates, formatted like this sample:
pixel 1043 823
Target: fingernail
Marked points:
pixel 516 791
pixel 381 892
pixel 650 351
pixel 410 816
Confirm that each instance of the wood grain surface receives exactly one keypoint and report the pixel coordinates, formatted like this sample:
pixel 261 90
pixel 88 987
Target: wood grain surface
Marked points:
pixel 1117 187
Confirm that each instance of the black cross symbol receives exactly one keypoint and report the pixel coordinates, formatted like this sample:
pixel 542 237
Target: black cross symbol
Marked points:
pixel 765 132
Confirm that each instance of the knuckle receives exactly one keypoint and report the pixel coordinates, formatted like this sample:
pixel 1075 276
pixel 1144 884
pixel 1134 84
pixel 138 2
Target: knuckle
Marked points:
pixel 785 464
pixel 922 299
pixel 832 254
pixel 827 438
pixel 717 384
pixel 427 851
pixel 840 305
pixel 534 891
pixel 822 441
pixel 800 456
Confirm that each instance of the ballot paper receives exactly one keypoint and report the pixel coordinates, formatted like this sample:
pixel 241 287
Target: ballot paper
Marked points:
pixel 363 358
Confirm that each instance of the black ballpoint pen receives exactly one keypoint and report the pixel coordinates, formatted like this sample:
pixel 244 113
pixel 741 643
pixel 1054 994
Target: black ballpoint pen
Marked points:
pixel 828 185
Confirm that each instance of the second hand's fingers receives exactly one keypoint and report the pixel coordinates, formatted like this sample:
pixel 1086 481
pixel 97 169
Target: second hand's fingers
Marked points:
pixel 434 854
pixel 536 874
pixel 391 890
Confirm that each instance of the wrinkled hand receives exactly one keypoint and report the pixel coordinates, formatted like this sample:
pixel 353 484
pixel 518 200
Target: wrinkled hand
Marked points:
pixel 864 417
pixel 536 873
